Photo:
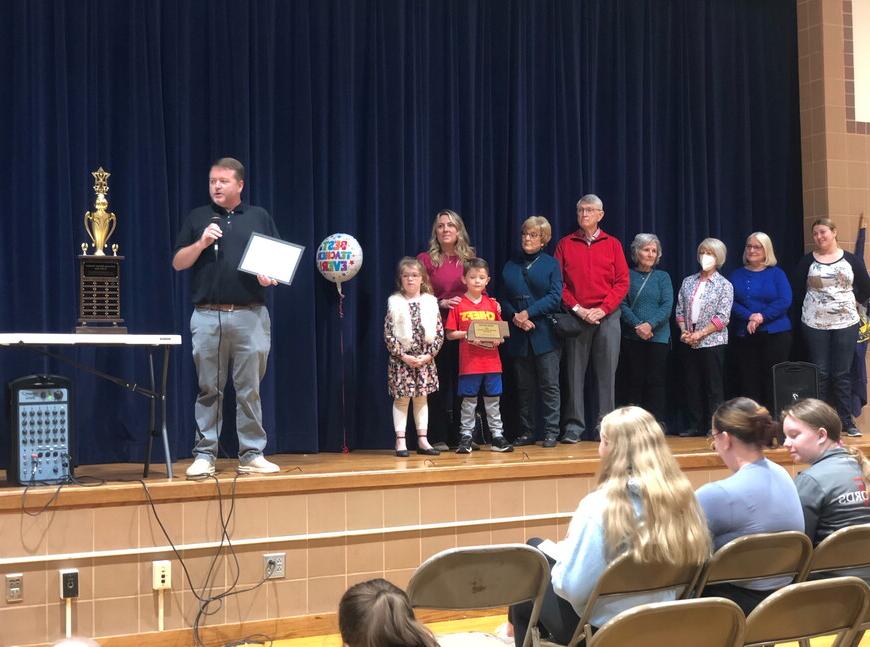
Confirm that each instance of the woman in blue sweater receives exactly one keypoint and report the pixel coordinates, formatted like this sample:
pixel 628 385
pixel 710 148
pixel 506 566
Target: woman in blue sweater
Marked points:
pixel 646 332
pixel 532 288
pixel 760 323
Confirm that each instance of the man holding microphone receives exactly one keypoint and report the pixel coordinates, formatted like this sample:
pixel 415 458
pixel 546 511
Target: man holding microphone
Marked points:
pixel 230 319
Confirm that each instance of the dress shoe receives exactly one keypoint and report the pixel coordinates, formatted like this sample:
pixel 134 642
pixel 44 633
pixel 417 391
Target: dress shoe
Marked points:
pixel 525 439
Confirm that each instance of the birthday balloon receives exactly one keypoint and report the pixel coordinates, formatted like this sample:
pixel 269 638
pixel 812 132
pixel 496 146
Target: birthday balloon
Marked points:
pixel 339 258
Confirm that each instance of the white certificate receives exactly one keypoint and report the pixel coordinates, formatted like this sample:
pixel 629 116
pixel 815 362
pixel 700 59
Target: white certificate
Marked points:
pixel 271 257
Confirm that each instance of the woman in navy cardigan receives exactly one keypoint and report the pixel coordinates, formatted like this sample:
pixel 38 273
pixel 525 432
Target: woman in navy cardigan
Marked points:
pixel 532 289
pixel 760 323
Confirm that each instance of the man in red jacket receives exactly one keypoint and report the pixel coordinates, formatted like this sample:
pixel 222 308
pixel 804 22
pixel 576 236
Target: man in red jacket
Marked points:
pixel 595 277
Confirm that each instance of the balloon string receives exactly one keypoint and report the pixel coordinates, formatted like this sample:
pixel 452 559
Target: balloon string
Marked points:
pixel 344 447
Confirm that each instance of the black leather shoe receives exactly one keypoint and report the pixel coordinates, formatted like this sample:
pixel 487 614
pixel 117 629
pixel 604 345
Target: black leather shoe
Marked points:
pixel 402 453
pixel 428 452
pixel 525 439
pixel 550 441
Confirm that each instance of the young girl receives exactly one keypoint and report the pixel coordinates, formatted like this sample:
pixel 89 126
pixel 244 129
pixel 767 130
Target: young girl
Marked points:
pixel 376 613
pixel 414 334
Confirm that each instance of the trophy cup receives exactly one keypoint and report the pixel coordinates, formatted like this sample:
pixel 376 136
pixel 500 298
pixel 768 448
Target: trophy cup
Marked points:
pixel 100 274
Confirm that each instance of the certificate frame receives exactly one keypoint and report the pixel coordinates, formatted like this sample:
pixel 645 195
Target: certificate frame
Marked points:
pixel 265 255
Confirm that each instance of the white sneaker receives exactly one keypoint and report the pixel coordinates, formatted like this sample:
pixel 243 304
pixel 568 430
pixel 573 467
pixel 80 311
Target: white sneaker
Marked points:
pixel 259 466
pixel 199 468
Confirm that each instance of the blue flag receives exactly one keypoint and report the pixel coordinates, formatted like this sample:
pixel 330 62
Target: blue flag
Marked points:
pixel 858 372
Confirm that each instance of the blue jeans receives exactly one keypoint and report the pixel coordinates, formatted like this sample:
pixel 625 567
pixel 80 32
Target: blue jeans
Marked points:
pixel 831 351
pixel 245 337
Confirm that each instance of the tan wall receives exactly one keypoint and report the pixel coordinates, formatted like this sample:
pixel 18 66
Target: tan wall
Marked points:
pixel 835 148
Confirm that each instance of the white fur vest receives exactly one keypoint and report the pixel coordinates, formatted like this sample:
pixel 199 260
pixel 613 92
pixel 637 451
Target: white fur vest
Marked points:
pixel 400 314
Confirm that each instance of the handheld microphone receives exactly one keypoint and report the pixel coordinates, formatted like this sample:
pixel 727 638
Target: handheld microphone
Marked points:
pixel 216 220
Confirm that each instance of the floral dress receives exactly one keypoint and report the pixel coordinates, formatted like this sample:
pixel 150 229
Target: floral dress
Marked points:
pixel 402 380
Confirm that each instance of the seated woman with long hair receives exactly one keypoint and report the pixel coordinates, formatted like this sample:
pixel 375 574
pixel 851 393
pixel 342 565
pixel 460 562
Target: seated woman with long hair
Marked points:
pixel 760 496
pixel 377 613
pixel 643 504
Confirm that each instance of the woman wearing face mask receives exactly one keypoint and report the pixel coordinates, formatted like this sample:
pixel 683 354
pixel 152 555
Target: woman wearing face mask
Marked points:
pixel 703 311
pixel 827 283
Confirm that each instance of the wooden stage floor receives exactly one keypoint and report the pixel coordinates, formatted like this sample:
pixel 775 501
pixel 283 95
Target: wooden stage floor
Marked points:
pixel 360 469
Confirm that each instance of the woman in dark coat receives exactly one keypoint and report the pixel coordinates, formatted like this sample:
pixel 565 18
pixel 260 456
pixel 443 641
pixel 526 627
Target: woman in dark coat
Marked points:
pixel 532 289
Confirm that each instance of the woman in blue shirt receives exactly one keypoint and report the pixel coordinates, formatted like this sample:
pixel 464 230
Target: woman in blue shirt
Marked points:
pixel 532 288
pixel 760 324
pixel 646 331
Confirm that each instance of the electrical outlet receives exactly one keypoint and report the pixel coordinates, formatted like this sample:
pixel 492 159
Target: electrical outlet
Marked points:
pixel 161 574
pixel 68 581
pixel 273 565
pixel 14 587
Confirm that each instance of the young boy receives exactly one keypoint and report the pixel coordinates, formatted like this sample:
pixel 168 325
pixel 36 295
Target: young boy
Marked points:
pixel 479 362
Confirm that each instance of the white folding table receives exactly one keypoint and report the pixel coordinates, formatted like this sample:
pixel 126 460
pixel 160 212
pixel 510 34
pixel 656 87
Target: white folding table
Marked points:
pixel 40 342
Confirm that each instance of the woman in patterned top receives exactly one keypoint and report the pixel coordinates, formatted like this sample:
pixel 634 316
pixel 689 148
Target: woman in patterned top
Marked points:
pixel 414 334
pixel 827 283
pixel 703 311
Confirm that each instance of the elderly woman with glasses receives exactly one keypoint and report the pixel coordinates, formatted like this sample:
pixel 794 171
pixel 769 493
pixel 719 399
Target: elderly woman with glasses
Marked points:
pixel 703 311
pixel 759 496
pixel 646 331
pixel 760 323
pixel 532 289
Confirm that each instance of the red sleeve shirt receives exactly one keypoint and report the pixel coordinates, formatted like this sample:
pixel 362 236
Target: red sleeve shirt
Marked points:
pixel 474 360
pixel 595 275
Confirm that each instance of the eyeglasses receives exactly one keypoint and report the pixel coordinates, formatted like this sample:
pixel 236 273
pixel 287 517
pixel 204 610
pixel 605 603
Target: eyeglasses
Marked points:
pixel 587 209
pixel 711 437
pixel 530 234
pixel 757 247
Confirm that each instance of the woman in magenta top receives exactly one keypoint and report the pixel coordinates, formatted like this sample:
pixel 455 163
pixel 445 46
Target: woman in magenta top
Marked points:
pixel 449 248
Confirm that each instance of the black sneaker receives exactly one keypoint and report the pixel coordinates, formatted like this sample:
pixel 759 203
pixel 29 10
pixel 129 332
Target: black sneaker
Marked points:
pixel 570 437
pixel 853 432
pixel 464 445
pixel 500 444
pixel 525 439
pixel 550 440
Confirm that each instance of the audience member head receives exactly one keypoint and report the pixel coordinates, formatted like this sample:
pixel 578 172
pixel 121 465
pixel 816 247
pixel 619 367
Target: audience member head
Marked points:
pixel 641 249
pixel 449 237
pixel 536 233
pixel 715 248
pixel 377 613
pixel 741 429
pixel 812 427
pixel 759 248
pixel 410 269
pixel 635 458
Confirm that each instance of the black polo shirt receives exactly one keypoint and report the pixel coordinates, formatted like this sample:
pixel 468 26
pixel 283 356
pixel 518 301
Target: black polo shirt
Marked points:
pixel 216 278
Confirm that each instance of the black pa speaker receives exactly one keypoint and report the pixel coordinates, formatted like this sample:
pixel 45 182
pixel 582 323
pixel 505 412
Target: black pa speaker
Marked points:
pixel 793 381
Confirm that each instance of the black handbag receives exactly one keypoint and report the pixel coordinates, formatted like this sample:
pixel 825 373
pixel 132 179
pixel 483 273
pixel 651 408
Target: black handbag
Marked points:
pixel 566 324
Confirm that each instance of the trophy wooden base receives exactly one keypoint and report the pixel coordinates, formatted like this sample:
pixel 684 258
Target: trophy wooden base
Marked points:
pixel 102 330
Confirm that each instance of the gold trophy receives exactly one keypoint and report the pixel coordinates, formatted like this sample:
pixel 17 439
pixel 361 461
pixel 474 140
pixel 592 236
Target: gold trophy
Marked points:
pixel 100 274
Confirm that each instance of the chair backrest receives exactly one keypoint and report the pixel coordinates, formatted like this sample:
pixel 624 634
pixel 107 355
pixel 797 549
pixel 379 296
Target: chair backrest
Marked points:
pixel 845 548
pixel 624 575
pixel 793 381
pixel 705 622
pixel 757 556
pixel 482 577
pixel 809 609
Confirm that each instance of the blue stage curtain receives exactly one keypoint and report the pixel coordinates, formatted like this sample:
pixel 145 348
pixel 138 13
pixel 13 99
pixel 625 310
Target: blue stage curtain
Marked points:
pixel 366 117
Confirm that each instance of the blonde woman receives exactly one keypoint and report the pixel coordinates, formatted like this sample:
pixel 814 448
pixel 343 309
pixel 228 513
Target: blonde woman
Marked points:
pixel 449 248
pixel 835 489
pixel 643 503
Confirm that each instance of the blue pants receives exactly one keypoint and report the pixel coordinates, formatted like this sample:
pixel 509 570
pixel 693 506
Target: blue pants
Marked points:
pixel 245 337
pixel 832 351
